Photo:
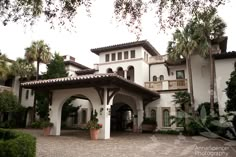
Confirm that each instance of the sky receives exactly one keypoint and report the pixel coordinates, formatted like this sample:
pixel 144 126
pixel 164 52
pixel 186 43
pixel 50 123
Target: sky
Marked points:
pixel 96 31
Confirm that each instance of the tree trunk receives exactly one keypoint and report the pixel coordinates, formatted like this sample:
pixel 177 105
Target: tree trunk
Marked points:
pixel 34 103
pixel 211 82
pixel 188 61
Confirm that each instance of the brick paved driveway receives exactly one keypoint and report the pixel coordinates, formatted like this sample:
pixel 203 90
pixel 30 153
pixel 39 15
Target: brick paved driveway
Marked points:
pixel 76 143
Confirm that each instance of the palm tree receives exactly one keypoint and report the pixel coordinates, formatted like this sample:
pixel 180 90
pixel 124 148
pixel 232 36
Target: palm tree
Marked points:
pixel 39 52
pixel 4 70
pixel 209 27
pixel 23 69
pixel 183 45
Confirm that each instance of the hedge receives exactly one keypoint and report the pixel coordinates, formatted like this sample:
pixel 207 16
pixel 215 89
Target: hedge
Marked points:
pixel 16 144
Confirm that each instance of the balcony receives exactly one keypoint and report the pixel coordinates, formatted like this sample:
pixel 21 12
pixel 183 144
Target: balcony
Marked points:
pixel 167 85
pixel 2 88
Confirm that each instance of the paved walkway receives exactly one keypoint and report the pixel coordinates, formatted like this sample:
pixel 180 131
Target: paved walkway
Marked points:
pixel 76 143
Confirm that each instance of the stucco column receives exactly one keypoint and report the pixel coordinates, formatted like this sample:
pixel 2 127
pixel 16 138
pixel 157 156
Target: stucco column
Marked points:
pixel 140 110
pixel 55 116
pixel 125 74
pixel 104 112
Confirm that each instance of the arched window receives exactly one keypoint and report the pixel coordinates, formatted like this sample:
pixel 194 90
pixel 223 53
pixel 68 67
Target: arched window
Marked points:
pixel 154 78
pixel 130 73
pixel 161 77
pixel 153 114
pixel 166 118
pixel 120 72
pixel 109 70
pixel 180 118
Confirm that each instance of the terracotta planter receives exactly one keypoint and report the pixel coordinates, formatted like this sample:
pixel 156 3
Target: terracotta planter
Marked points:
pixel 94 134
pixel 46 131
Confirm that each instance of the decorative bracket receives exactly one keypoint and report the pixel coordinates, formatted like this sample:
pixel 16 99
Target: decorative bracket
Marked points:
pixel 100 93
pixel 111 92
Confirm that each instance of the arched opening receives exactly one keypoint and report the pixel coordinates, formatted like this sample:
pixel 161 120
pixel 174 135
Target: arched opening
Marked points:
pixel 120 71
pixel 161 77
pixel 109 70
pixel 123 113
pixel 121 117
pixel 75 112
pixel 130 73
pixel 154 78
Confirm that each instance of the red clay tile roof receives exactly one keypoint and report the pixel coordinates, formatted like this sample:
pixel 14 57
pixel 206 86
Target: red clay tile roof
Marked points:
pixel 144 43
pixel 92 80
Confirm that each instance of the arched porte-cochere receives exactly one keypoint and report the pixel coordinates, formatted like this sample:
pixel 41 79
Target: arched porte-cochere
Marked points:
pixel 101 91
pixel 124 113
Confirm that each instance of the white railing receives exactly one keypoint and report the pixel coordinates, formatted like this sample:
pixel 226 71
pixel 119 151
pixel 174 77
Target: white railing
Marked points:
pixel 167 85
pixel 3 88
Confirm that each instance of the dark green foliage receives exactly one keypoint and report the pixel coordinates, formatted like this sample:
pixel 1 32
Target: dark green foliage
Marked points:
pixel 207 107
pixel 36 124
pixel 231 92
pixel 16 144
pixel 8 102
pixel 68 109
pixel 42 102
pixel 183 99
pixel 56 68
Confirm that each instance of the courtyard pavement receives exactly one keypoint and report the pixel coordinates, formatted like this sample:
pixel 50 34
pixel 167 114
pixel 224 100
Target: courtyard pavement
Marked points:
pixel 76 143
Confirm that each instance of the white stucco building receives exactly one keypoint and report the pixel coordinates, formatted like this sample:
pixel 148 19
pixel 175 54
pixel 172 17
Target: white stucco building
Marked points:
pixel 132 80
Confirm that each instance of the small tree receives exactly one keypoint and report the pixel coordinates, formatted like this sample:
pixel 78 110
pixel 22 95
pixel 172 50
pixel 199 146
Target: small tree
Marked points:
pixel 8 103
pixel 55 69
pixel 231 94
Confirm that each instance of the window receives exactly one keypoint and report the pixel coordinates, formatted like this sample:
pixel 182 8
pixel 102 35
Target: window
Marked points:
pixel 27 94
pixel 132 54
pixel 153 114
pixel 161 77
pixel 130 73
pixel 180 74
pixel 166 118
pixel 180 118
pixel 83 116
pixel 113 56
pixel 119 55
pixel 154 78
pixel 126 55
pixel 107 57
pixel 32 92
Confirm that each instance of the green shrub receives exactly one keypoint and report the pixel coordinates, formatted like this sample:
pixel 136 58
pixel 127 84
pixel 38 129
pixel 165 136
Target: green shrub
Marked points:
pixel 193 128
pixel 16 144
pixel 36 124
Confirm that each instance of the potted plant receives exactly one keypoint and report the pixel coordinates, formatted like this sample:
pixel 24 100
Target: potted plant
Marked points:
pixel 94 126
pixel 148 125
pixel 46 125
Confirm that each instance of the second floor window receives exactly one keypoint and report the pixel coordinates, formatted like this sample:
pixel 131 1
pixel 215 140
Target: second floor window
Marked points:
pixel 126 55
pixel 119 55
pixel 107 57
pixel 113 56
pixel 180 74
pixel 132 55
